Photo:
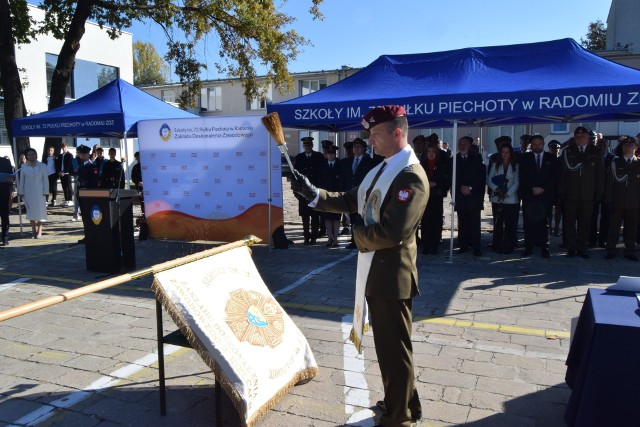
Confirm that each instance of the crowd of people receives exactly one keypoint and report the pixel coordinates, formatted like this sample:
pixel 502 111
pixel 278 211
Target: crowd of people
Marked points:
pixel 579 183
pixel 37 182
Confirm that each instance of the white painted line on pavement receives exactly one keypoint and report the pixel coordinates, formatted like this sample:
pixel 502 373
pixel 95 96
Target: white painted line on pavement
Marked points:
pixel 5 286
pixel 49 410
pixel 315 272
pixel 356 389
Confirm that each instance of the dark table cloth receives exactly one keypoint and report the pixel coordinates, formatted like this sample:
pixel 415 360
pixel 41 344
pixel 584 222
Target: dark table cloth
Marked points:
pixel 603 365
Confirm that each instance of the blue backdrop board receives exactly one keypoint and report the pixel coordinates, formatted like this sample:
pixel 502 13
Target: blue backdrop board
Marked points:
pixel 552 81
pixel 114 110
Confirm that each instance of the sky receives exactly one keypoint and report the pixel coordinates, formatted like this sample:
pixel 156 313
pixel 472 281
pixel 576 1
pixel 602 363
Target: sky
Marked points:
pixel 355 32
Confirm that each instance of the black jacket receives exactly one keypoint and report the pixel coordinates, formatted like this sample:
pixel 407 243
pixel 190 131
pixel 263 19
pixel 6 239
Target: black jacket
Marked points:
pixel 545 178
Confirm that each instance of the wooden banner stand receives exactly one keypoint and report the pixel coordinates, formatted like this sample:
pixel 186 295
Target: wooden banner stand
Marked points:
pixel 176 338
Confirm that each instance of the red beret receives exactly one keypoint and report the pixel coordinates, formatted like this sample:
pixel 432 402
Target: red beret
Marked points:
pixel 382 114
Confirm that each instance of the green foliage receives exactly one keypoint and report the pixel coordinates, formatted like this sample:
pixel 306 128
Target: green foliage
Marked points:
pixel 596 37
pixel 248 32
pixel 148 67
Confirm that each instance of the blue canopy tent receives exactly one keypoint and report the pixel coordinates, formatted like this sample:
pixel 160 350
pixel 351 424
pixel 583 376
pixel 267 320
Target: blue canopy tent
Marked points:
pixel 114 110
pixel 554 81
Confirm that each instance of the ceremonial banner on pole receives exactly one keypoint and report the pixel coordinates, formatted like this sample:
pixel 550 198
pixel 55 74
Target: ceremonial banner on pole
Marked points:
pixel 241 332
pixel 208 178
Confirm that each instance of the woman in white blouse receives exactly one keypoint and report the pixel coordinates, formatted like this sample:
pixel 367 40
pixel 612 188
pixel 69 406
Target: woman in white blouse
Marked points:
pixel 33 187
pixel 502 178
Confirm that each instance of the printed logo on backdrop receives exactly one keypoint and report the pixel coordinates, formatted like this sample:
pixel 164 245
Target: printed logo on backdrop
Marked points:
pixel 165 132
pixel 96 215
pixel 213 169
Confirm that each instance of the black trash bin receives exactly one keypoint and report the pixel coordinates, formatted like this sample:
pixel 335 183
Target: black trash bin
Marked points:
pixel 107 216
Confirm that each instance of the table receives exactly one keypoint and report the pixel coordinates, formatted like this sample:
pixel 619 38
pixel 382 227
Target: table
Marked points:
pixel 603 365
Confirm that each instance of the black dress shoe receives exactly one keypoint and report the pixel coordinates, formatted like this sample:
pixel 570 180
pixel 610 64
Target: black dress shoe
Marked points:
pixel 477 252
pixel 583 254
pixel 571 254
pixel 545 253
pixel 527 252
pixel 415 415
pixel 631 257
pixel 610 255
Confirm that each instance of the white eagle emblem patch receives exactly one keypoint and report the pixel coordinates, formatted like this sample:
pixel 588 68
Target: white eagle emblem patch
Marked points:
pixel 403 195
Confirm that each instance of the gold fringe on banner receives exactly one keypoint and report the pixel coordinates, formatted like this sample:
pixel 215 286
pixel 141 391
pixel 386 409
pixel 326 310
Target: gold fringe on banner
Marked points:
pixel 302 376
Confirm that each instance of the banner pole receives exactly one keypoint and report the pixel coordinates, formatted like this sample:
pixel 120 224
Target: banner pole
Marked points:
pixel 118 280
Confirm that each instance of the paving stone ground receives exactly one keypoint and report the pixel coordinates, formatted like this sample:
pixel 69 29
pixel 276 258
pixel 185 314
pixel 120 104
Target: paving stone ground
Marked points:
pixel 491 334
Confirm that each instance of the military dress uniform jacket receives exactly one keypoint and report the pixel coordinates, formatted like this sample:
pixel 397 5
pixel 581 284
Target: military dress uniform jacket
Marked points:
pixel 309 166
pixel 545 178
pixel 581 175
pixel 623 193
pixel 88 175
pixel 393 273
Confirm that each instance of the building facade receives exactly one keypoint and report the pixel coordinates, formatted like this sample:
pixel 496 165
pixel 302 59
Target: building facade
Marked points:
pixel 98 62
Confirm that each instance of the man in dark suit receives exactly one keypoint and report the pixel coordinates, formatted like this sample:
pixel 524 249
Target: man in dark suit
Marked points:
pixel 537 189
pixel 353 172
pixel 6 187
pixel 65 167
pixel 622 199
pixel 580 184
pixel 395 201
pixel 308 163
pixel 471 178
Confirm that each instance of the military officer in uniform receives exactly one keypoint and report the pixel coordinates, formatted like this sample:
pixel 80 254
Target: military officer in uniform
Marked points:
pixel 622 190
pixel 309 163
pixel 391 200
pixel 580 184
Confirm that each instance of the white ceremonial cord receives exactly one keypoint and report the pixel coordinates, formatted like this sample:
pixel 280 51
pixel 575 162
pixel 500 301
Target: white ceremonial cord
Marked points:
pixel 622 179
pixel 575 168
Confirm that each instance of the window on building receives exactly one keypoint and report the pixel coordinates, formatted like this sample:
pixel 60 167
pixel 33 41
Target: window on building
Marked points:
pixel 261 102
pixel 559 128
pixel 106 74
pixel 110 142
pixel 310 86
pixel 628 128
pixel 168 95
pixel 211 98
pixel 52 60
pixel 4 137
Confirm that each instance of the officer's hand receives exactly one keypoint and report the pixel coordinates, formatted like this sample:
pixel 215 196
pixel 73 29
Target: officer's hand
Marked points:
pixel 301 185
